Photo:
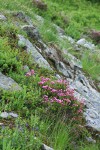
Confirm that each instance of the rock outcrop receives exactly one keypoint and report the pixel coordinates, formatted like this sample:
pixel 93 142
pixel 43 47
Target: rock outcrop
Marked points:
pixel 8 83
pixel 38 58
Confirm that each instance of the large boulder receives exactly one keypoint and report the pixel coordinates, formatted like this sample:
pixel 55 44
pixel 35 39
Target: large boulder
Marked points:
pixel 8 83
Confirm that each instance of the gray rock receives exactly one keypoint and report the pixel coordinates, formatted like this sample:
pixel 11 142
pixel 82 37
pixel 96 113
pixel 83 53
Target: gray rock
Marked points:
pixel 58 76
pixel 38 58
pixel 72 60
pixel 60 31
pixel 61 67
pixel 6 115
pixel 92 101
pixel 39 19
pixel 31 31
pixel 8 83
pixel 2 17
pixel 90 140
pixel 1 124
pixel 62 34
pixel 13 115
pixel 83 42
pixel 23 17
pixel 45 147
pixel 70 39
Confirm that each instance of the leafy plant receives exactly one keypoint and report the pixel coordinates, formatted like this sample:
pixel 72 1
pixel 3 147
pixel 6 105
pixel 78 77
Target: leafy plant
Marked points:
pixel 59 96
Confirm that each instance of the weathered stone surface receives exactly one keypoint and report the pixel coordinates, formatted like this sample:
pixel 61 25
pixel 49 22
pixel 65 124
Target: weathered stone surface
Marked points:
pixel 71 60
pixel 92 101
pixel 23 17
pixel 40 4
pixel 8 83
pixel 60 31
pixel 31 31
pixel 45 147
pixel 70 39
pixel 83 42
pixel 6 115
pixel 64 62
pixel 2 17
pixel 62 68
pixel 90 140
pixel 39 19
pixel 38 58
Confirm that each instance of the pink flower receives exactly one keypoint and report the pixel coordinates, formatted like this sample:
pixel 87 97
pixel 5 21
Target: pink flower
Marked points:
pixel 53 90
pixel 67 100
pixel 41 82
pixel 80 111
pixel 45 97
pixel 52 82
pixel 32 72
pixel 75 105
pixel 61 94
pixel 28 74
pixel 45 87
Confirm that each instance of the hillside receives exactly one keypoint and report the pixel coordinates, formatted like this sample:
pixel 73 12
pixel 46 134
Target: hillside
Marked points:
pixel 49 75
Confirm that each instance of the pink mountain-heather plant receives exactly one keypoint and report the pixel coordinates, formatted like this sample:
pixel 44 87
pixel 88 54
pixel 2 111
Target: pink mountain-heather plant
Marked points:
pixel 30 73
pixel 58 95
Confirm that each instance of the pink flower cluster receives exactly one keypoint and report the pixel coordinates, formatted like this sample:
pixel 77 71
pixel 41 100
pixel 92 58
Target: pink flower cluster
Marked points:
pixel 30 73
pixel 59 92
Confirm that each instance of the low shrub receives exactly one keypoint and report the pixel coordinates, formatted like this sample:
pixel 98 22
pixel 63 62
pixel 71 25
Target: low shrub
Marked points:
pixel 59 97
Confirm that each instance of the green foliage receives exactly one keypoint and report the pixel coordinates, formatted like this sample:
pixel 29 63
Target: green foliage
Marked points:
pixel 19 138
pixel 49 35
pixel 8 57
pixel 58 97
pixel 91 64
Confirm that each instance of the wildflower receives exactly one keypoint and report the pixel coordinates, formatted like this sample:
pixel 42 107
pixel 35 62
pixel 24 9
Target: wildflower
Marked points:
pixel 32 72
pixel 28 74
pixel 61 94
pixel 80 111
pixel 67 100
pixel 45 87
pixel 41 83
pixel 75 105
pixel 52 82
pixel 53 90
pixel 45 97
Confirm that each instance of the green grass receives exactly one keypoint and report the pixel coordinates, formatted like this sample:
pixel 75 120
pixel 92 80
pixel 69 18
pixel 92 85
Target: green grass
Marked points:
pixel 91 64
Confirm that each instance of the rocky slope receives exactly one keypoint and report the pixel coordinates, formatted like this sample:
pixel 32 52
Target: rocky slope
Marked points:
pixel 52 58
